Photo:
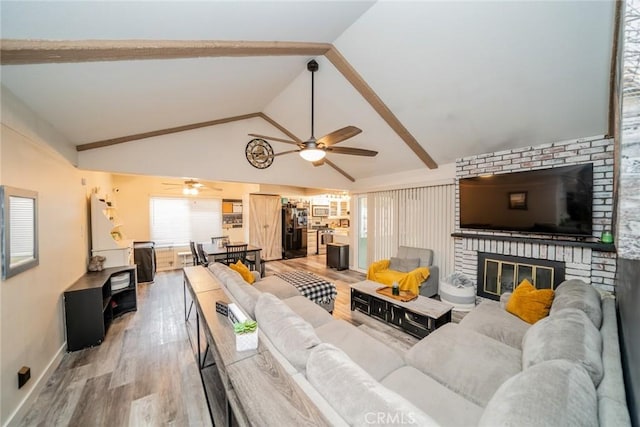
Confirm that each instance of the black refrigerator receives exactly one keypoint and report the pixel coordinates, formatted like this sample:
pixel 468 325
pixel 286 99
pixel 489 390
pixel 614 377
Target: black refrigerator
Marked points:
pixel 294 231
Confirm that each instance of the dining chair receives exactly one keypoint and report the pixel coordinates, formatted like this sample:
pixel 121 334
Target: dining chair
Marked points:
pixel 216 240
pixel 202 255
pixel 236 252
pixel 194 253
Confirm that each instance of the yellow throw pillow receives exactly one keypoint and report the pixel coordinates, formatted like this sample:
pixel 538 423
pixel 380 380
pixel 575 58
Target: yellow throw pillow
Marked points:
pixel 244 272
pixel 528 303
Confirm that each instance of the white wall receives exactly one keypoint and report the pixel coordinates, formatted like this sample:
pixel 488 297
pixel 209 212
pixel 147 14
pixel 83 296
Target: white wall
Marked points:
pixel 31 316
pixel 134 192
pixel 32 319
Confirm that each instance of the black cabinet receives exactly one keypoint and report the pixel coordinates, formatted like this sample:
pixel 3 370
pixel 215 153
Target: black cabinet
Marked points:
pixel 90 304
pixel 338 256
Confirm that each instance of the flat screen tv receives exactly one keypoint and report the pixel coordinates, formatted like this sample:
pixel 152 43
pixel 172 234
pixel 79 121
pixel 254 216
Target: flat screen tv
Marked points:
pixel 546 201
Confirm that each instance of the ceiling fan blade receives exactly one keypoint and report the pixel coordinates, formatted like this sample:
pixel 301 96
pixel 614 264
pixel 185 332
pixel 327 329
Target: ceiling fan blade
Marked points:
pixel 352 151
pixel 170 183
pixel 285 152
pixel 318 163
pixel 343 173
pixel 339 135
pixel 273 138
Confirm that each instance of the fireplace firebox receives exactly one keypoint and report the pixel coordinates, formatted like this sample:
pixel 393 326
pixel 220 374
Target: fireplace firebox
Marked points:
pixel 498 274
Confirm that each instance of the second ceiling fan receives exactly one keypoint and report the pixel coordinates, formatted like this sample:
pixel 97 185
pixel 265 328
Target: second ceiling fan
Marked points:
pixel 315 150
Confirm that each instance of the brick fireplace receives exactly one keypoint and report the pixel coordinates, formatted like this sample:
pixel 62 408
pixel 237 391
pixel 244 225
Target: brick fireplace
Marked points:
pixel 584 259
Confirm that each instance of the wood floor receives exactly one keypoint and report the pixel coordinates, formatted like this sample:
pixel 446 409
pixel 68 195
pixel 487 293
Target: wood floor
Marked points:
pixel 145 373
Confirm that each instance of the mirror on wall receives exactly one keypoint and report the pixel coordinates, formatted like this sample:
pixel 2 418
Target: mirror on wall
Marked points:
pixel 19 230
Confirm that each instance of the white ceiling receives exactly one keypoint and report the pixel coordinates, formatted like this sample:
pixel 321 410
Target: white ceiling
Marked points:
pixel 463 77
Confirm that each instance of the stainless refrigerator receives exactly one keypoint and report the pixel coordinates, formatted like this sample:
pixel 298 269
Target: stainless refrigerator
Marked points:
pixel 294 231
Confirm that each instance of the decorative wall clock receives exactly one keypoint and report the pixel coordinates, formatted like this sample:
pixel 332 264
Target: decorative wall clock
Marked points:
pixel 259 153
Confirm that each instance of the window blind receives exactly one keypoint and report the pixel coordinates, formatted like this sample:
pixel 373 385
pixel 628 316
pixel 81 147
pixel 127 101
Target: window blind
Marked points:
pixel 21 212
pixel 175 220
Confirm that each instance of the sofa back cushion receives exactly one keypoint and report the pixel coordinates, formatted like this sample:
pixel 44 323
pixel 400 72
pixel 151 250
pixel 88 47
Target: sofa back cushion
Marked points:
pixel 552 393
pixel 577 294
pixel 567 334
pixel 356 395
pixel 289 333
pixel 244 294
pixel 425 255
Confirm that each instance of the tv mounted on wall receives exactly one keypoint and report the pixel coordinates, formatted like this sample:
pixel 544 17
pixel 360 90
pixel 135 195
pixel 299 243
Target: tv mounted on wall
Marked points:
pixel 546 201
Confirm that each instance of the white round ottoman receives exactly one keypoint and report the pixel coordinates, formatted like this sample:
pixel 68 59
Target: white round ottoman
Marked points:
pixel 458 291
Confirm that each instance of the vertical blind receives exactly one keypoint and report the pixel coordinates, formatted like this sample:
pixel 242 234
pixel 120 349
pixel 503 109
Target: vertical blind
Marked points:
pixel 420 217
pixel 175 220
pixel 22 214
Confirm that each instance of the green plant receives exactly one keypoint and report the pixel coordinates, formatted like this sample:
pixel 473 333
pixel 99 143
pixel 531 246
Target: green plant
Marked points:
pixel 245 327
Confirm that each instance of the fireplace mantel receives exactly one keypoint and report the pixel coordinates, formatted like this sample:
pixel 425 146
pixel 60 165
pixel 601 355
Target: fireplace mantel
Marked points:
pixel 597 246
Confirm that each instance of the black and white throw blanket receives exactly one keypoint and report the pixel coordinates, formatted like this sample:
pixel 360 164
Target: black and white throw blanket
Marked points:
pixel 311 286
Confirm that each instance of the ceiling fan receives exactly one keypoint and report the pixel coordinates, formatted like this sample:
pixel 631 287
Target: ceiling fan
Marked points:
pixel 314 150
pixel 191 187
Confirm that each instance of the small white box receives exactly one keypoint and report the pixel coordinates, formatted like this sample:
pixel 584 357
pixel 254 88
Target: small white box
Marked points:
pixel 247 341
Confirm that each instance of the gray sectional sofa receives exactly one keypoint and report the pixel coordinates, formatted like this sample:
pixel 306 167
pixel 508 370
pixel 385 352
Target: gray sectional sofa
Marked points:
pixel 492 369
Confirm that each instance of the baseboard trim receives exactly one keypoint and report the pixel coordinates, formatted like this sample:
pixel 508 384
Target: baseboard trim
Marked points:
pixel 26 403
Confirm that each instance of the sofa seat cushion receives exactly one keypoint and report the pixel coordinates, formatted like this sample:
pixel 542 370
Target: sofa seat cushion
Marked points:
pixel 577 294
pixel 359 398
pixel 443 405
pixel 373 356
pixel 308 310
pixel 490 319
pixel 290 334
pixel 553 393
pixel 567 334
pixel 465 361
pixel 276 286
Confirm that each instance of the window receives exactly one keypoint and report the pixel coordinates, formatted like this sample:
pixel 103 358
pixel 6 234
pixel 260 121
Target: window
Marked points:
pixel 19 230
pixel 176 221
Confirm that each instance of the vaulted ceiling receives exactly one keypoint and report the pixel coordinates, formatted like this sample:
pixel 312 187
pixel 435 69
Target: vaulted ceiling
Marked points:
pixel 460 78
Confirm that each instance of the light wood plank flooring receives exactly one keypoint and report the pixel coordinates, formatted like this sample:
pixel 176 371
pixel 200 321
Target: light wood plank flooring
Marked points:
pixel 145 372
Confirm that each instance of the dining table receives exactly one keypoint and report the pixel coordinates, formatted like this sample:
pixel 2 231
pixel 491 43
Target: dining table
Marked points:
pixel 219 253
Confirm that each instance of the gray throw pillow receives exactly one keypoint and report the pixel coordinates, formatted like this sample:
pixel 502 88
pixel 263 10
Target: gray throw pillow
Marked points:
pixel 404 265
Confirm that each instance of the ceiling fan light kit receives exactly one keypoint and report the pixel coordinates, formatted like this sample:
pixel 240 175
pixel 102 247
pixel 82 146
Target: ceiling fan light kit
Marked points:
pixel 315 150
pixel 312 153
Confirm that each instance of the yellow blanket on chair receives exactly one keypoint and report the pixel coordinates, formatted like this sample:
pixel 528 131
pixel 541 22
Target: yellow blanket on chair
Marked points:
pixel 379 272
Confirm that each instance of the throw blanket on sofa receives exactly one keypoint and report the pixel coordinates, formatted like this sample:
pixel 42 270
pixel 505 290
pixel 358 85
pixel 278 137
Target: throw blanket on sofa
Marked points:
pixel 311 286
pixel 379 272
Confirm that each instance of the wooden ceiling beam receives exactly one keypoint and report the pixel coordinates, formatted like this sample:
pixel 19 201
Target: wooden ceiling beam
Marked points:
pixel 356 80
pixel 20 52
pixel 160 132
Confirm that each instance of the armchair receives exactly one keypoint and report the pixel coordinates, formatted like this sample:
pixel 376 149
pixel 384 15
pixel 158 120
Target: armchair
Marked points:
pixel 381 272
